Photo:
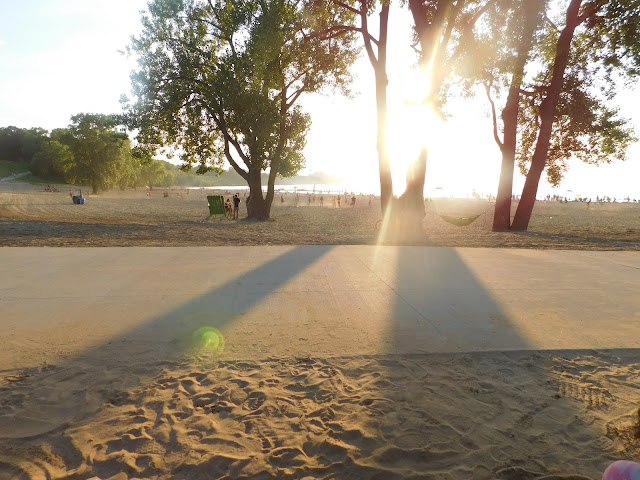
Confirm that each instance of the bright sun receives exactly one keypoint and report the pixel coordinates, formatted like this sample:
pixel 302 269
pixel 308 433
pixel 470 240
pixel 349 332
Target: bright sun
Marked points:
pixel 411 125
pixel 453 164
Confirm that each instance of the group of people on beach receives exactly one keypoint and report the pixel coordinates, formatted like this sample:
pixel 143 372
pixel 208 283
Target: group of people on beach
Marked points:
pixel 311 198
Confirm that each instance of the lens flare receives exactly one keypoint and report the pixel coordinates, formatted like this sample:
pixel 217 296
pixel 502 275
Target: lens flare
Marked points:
pixel 209 340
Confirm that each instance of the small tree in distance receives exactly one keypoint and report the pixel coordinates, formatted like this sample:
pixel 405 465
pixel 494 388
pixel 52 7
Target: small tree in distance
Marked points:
pixel 101 152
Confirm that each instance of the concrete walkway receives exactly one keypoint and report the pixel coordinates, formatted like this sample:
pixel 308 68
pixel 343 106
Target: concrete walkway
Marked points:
pixel 312 300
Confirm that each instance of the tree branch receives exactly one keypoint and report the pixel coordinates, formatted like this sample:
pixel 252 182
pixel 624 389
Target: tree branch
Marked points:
pixel 338 30
pixel 450 25
pixel 493 115
pixel 591 9
pixel 295 97
pixel 466 31
pixel 366 38
pixel 218 117
pixel 546 17
pixel 347 7
pixel 231 160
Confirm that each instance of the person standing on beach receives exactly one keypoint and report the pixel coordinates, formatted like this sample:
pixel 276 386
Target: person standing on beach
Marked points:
pixel 227 208
pixel 338 201
pixel 321 200
pixel 236 206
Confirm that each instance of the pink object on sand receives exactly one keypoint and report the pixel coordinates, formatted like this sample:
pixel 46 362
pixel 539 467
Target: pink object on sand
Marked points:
pixel 622 470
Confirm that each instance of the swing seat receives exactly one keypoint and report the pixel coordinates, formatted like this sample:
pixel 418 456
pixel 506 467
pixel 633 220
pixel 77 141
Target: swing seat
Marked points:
pixel 459 221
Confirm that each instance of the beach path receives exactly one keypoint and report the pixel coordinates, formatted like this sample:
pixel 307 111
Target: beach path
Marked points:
pixel 148 303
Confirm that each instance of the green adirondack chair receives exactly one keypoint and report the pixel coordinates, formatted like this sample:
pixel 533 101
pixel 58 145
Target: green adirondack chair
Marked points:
pixel 216 206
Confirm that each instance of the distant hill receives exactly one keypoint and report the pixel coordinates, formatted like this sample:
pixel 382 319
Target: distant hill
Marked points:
pixel 231 177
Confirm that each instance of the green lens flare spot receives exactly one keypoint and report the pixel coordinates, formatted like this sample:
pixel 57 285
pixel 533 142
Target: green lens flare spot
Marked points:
pixel 209 340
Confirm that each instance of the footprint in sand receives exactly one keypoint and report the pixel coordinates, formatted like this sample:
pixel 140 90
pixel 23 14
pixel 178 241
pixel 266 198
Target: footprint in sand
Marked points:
pixel 255 400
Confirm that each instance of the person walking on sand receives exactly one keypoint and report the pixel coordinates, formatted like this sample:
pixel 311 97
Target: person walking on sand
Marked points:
pixel 236 206
pixel 321 200
pixel 338 201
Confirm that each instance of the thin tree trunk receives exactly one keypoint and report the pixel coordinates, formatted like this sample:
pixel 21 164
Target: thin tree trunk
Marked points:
pixel 547 113
pixel 502 215
pixel 380 69
pixel 502 212
pixel 271 181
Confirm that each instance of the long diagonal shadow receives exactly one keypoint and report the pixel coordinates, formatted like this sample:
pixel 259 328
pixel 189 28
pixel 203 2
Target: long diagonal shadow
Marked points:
pixel 499 408
pixel 141 352
pixel 418 368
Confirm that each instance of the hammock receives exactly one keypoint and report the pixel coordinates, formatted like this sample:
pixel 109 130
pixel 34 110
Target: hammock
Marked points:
pixel 463 221
pixel 459 221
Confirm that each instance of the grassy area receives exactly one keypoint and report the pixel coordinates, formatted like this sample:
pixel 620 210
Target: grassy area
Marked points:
pixel 34 180
pixel 8 168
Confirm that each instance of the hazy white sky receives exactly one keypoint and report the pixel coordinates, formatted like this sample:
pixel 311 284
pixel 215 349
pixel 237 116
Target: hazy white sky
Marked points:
pixel 60 57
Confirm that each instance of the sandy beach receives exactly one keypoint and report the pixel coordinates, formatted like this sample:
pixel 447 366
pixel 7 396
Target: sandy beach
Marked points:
pixel 551 415
pixel 81 398
pixel 31 217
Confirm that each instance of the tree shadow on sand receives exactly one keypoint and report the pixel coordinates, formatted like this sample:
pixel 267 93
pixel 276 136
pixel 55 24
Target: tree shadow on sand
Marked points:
pixel 412 368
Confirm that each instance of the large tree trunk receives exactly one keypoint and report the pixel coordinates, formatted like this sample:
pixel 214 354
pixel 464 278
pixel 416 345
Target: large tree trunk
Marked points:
pixel 257 206
pixel 410 205
pixel 403 222
pixel 547 113
pixel 502 215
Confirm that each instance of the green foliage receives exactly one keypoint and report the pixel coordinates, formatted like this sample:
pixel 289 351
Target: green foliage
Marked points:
pixel 11 144
pixel 8 168
pixel 93 150
pixel 605 46
pixel 586 126
pixel 53 160
pixel 219 80
pixel 102 154
pixel 613 34
pixel 19 144
pixel 152 174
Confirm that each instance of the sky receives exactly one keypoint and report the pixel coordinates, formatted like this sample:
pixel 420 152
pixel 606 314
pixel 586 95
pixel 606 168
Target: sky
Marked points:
pixel 62 57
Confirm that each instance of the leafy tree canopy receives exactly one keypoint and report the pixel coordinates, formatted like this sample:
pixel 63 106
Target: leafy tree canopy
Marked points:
pixel 219 76
pixel 604 50
pixel 219 81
